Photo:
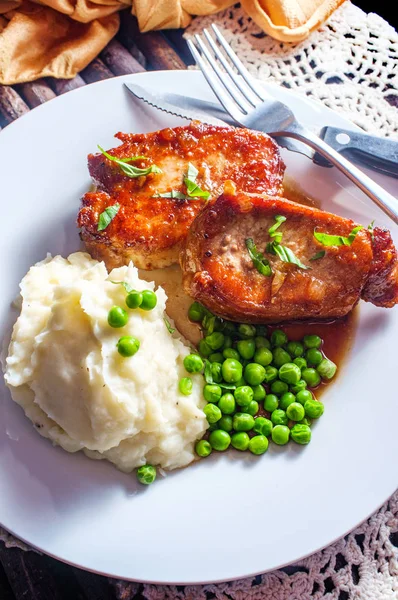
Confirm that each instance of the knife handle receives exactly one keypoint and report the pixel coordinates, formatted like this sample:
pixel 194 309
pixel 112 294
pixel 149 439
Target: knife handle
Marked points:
pixel 380 154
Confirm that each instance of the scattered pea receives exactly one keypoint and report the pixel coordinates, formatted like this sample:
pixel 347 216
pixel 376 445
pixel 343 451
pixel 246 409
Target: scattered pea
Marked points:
pixel 117 317
pixel 258 444
pixel 212 412
pixel 252 408
pixel 254 374
pixel 286 400
pixel 278 338
pixel 246 348
pixel 219 440
pixel 185 385
pixel 271 402
pixel 227 341
pixel 193 363
pixel 216 357
pixel 300 362
pixel 313 409
pixel 300 385
pixel 327 369
pixel 240 441
pixel 295 349
pixel 225 423
pixel 267 428
pixel 262 342
pixel 280 435
pixel 128 346
pixel 204 348
pixel 279 387
pixel 196 312
pixel 290 373
pixel 247 331
pixel 243 395
pixel 259 422
pixel 311 376
pixel 281 357
pixel 243 422
pixel 212 392
pixel 215 340
pixel 146 474
pixel 271 373
pixel 301 434
pixel 203 448
pixel 295 411
pixel 216 372
pixel 303 396
pixel 231 353
pixel 231 370
pixel 314 356
pixel 149 300
pixel 263 357
pixel 227 404
pixel 312 341
pixel 134 299
pixel 279 417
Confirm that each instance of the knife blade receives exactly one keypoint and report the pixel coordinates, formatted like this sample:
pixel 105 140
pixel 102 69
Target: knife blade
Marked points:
pixel 210 113
pixel 379 154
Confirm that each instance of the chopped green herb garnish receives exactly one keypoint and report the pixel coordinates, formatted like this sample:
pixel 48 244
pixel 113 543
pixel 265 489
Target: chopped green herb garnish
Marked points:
pixel 318 255
pixel 227 386
pixel 337 240
pixel 193 190
pixel 173 194
pixel 277 235
pixel 126 285
pixel 128 169
pixel 259 261
pixel 107 216
pixel 287 255
pixel 168 325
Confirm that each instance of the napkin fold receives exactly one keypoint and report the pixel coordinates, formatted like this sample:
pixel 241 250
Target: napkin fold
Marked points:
pixel 58 38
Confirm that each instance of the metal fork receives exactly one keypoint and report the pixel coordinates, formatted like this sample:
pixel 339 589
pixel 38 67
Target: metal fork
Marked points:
pixel 251 106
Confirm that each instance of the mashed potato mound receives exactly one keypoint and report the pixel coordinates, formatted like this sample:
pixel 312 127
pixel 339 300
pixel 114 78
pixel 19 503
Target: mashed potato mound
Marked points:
pixel 64 369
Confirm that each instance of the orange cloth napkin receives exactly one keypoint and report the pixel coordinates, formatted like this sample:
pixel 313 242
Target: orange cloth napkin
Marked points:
pixel 58 38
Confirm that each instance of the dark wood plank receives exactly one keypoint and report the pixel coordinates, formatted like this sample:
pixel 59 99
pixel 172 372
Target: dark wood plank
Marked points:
pixel 5 588
pixel 60 86
pixel 95 587
pixel 12 105
pixel 36 92
pixel 96 71
pixel 153 45
pixel 176 40
pixel 119 59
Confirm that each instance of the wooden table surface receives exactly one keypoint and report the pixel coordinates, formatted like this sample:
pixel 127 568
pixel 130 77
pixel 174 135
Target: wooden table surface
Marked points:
pixel 28 575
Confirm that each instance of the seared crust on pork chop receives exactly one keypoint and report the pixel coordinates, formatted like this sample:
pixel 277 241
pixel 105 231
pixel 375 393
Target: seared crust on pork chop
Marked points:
pixel 219 272
pixel 150 230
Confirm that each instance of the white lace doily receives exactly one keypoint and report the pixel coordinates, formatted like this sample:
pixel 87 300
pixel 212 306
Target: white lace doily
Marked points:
pixel 351 65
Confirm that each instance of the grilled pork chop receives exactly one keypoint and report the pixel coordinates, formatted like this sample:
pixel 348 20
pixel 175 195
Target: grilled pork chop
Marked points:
pixel 219 270
pixel 150 230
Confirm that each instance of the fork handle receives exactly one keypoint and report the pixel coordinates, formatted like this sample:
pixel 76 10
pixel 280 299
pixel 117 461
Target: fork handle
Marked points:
pixel 383 199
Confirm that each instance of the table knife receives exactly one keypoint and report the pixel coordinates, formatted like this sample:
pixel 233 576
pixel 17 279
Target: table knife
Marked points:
pixel 379 154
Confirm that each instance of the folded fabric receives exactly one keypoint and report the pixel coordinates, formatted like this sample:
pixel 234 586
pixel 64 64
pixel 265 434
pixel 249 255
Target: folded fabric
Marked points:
pixel 59 38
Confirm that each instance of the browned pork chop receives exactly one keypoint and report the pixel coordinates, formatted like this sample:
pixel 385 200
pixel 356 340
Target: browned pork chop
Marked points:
pixel 150 230
pixel 220 273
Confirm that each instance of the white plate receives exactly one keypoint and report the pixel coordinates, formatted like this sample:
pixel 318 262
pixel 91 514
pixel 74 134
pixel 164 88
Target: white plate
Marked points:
pixel 226 517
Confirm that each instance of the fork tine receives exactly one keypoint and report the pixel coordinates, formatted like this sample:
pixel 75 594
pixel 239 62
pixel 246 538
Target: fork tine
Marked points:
pixel 238 64
pixel 223 77
pixel 218 90
pixel 243 87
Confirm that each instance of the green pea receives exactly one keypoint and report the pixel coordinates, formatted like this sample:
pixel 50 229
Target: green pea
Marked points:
pixel 243 422
pixel 227 341
pixel 278 338
pixel 311 376
pixel 246 348
pixel 149 300
pixel 290 373
pixel 262 342
pixel 314 356
pixel 219 440
pixel 212 412
pixel 231 370
pixel 300 385
pixel 259 393
pixel 301 434
pixel 185 385
pixel 215 340
pixel 327 369
pixel 279 417
pixel 247 331
pixel 128 346
pixel 271 373
pixel 146 474
pixel 313 409
pixel 295 411
pixel 225 423
pixel 134 299
pixel 306 421
pixel 252 408
pixel 204 348
pixel 281 357
pixel 303 396
pixel 259 422
pixel 258 444
pixel 216 372
pixel 243 395
pixel 203 448
pixel 240 441
pixel 193 363
pixel 295 349
pixel 279 387
pixel 117 317
pixel 267 427
pixel 286 399
pixel 227 404
pixel 254 374
pixel 196 312
pixel 300 362
pixel 312 341
pixel 231 353
pixel 212 392
pixel 263 357
pixel 271 402
pixel 280 435
pixel 216 357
